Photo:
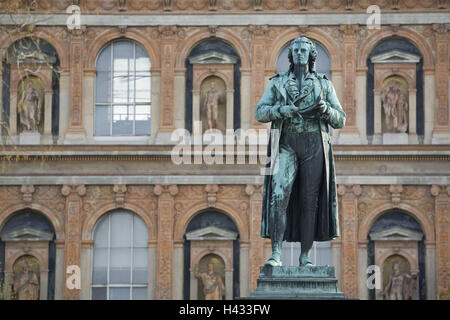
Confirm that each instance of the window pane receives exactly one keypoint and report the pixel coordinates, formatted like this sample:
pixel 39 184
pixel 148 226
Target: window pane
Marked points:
pixel 123 116
pixel 143 87
pixel 120 87
pixel 104 59
pixel 98 293
pixel 119 293
pixel 99 273
pixel 121 229
pixel 140 234
pixel 101 232
pixel 142 59
pixel 123 54
pixel 140 293
pixel 140 265
pixel 120 267
pixel 131 80
pixel 102 120
pixel 103 87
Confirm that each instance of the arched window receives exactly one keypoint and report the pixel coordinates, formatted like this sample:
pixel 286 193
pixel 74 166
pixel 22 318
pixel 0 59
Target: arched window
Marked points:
pixel 120 257
pixel 122 90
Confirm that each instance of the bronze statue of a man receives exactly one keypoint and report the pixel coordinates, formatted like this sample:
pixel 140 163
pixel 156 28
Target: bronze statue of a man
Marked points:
pixel 299 201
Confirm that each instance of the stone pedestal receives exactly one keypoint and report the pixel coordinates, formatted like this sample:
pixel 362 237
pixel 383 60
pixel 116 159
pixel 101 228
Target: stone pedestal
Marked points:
pixel 308 282
pixel 30 138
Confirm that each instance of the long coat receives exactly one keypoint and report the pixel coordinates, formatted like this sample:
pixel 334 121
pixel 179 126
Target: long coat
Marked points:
pixel 277 94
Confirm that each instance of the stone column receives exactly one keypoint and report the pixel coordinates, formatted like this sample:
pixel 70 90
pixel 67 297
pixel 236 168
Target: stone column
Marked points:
pixel 349 134
pixel 89 101
pixel 178 268
pixel 165 245
pixel 430 269
pixel 179 97
pixel 167 48
pixel 2 111
pixel 43 290
pixel 152 269
pixel 243 268
pixel 60 277
pixel 156 105
pixel 442 227
pixel 74 204
pixel 75 132
pixel 428 100
pixel 258 66
pixel 362 268
pixel 361 103
pixel 195 109
pixel 64 104
pixel 229 284
pixel 349 235
pixel 377 134
pixel 229 108
pixel 48 113
pixel 12 112
pixel 85 268
pixel 412 131
pixel 257 255
pixel 336 250
pixel 246 99
pixel 194 286
pixel 441 133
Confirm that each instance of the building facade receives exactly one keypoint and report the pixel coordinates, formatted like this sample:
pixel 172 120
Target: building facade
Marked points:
pixel 93 103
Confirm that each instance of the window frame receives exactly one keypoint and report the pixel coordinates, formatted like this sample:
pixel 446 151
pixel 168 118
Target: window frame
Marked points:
pixel 108 284
pixel 110 105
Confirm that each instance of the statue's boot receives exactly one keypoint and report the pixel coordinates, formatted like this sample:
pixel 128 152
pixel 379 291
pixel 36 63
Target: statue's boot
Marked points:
pixel 304 259
pixel 275 259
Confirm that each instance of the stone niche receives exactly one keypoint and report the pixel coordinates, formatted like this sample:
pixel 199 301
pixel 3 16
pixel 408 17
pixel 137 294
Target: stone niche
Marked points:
pixel 27 262
pixel 395 98
pixel 397 245
pixel 212 79
pixel 211 245
pixel 31 97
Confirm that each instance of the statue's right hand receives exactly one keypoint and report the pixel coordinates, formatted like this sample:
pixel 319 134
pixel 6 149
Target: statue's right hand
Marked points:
pixel 288 111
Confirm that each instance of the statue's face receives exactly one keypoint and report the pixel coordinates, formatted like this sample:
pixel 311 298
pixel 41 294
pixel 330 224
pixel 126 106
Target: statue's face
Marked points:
pixel 213 85
pixel 300 53
pixel 210 267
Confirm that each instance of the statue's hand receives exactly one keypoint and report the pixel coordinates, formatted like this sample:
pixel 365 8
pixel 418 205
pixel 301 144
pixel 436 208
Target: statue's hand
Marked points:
pixel 322 106
pixel 288 111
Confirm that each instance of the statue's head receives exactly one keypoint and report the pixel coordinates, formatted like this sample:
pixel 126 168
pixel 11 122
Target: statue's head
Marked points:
pixel 210 267
pixel 395 266
pixel 295 53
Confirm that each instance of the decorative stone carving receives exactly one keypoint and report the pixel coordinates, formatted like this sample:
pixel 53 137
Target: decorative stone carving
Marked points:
pixel 211 190
pixel 396 191
pixel 120 191
pixel 27 191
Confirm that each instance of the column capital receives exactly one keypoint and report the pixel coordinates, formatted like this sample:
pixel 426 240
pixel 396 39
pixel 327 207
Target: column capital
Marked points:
pixel 160 189
pixel 79 189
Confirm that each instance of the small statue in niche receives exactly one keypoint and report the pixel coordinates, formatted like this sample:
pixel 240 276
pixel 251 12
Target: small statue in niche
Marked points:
pixel 212 99
pixel 213 286
pixel 401 286
pixel 26 282
pixel 395 107
pixel 30 108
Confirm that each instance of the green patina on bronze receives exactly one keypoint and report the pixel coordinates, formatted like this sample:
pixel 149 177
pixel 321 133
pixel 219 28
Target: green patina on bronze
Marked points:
pixel 300 102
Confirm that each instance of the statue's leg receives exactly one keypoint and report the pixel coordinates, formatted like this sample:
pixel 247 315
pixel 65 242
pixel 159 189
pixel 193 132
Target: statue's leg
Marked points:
pixel 311 168
pixel 282 183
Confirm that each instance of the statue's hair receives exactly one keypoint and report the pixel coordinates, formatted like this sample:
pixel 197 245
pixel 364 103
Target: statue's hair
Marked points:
pixel 312 53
